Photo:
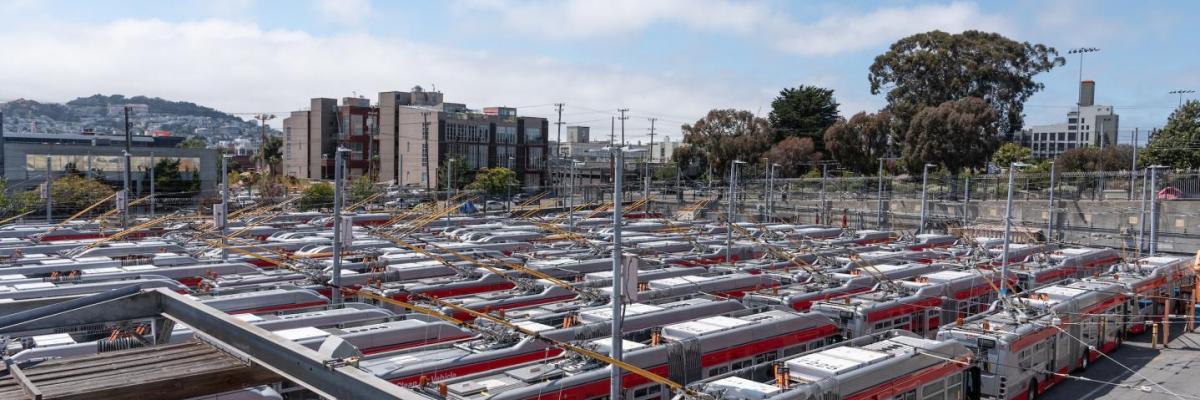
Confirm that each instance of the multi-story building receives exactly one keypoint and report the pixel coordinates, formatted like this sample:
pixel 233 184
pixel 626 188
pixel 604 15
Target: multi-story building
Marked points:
pixel 408 136
pixel 1088 125
pixel 310 137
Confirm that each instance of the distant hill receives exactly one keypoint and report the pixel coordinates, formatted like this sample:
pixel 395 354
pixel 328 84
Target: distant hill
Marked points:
pixel 157 105
pixel 101 113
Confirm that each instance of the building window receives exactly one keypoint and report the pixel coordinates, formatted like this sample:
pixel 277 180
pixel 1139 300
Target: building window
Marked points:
pixel 506 135
pixel 533 135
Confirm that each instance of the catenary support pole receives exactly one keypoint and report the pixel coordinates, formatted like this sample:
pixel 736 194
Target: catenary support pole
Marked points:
pixel 152 199
pixel 48 193
pixel 1141 239
pixel 1050 209
pixel 924 202
pixel 1154 210
pixel 224 221
pixel 617 284
pixel 1012 173
pixel 879 198
pixel 338 195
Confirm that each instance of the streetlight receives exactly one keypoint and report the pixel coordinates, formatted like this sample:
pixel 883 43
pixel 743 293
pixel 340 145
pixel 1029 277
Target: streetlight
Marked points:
pixel 729 214
pixel 1081 51
pixel 1012 168
pixel 1181 92
pixel 924 203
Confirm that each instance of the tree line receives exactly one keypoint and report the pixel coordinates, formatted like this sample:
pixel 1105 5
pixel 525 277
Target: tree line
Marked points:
pixel 953 100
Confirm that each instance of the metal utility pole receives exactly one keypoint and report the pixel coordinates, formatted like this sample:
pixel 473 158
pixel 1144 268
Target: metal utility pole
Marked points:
pixel 729 214
pixel 128 169
pixel 771 190
pixel 49 197
pixel 338 160
pixel 224 206
pixel 879 195
pixel 152 185
pixel 1012 168
pixel 623 118
pixel 449 187
pixel 425 152
pixel 1133 165
pixel 1181 92
pixel 821 208
pixel 924 196
pixel 650 160
pixel 571 198
pixel 558 145
pixel 508 185
pixel 1142 217
pixel 1051 209
pixel 1154 209
pixel 263 139
pixel 966 199
pixel 618 284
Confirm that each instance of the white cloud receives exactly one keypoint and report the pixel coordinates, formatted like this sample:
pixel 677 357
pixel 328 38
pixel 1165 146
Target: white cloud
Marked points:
pixel 239 67
pixel 343 11
pixel 838 33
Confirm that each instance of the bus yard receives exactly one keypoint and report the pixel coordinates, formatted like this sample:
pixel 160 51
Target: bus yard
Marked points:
pixel 424 303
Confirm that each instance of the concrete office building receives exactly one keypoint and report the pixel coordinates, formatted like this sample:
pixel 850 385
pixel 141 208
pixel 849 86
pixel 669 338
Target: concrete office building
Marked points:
pixel 1088 125
pixel 410 135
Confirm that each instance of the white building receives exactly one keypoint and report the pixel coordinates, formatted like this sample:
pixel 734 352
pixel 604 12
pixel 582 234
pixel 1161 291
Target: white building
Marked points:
pixel 1088 125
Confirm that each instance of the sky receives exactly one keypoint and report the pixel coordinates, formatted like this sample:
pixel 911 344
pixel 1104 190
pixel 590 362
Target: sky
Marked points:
pixel 672 60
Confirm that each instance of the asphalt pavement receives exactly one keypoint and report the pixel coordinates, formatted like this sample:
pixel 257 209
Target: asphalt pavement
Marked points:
pixel 1155 374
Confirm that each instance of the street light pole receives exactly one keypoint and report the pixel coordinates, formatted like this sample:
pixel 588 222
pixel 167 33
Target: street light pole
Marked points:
pixel 729 214
pixel 1142 217
pixel 1181 92
pixel 1012 168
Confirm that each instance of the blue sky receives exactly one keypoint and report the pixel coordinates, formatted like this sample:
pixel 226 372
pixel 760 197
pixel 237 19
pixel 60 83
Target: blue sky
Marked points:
pixel 668 59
